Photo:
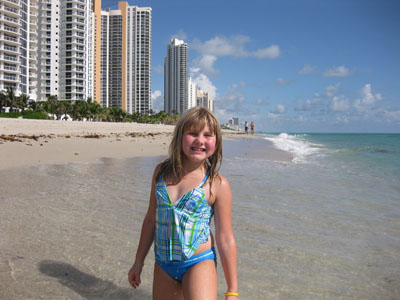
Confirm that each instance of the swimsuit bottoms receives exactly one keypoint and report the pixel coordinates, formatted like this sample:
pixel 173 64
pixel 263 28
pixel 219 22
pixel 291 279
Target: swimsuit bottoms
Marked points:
pixel 176 269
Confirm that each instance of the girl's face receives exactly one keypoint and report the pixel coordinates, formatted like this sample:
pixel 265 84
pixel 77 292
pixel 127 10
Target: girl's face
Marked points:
pixel 198 145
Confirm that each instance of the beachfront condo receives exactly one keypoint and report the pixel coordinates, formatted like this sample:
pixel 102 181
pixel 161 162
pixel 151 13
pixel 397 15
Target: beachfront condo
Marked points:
pixel 73 50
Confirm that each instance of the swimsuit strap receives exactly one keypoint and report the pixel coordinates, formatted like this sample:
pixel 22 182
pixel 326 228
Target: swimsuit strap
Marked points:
pixel 204 180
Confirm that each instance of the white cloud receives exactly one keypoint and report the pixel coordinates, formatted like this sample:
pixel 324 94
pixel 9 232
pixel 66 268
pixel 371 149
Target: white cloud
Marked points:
pixel 308 69
pixel 158 100
pixel 331 89
pixel 273 116
pixel 233 46
pixel 339 103
pixel 180 35
pixel 270 52
pixel 205 84
pixel 281 108
pixel 281 81
pixel 205 63
pixel 340 71
pixel 261 101
pixel 392 115
pixel 309 104
pixel 368 99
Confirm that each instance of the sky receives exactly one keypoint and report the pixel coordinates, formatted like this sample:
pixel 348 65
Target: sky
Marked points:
pixel 288 66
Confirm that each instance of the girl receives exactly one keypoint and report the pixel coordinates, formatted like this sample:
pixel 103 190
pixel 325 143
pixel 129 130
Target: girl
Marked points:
pixel 186 191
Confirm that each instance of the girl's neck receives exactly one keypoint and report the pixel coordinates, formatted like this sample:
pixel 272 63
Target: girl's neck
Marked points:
pixel 190 167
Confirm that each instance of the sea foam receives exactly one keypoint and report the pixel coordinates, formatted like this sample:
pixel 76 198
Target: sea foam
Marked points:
pixel 295 144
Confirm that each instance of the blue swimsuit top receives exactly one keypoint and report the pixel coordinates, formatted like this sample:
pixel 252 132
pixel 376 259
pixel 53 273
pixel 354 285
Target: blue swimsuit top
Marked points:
pixel 181 226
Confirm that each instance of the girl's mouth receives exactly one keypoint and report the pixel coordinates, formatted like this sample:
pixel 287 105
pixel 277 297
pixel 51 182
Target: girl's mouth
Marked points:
pixel 198 149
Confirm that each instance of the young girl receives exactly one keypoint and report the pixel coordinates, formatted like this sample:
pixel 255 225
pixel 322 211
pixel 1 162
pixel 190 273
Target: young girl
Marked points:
pixel 186 192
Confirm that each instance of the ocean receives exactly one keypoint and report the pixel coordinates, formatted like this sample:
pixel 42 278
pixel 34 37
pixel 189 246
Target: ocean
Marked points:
pixel 324 225
pixel 315 216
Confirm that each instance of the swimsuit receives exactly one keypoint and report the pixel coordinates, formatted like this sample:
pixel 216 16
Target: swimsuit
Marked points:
pixel 180 228
pixel 177 269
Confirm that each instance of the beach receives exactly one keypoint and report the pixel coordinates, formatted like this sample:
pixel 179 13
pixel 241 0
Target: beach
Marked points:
pixel 310 220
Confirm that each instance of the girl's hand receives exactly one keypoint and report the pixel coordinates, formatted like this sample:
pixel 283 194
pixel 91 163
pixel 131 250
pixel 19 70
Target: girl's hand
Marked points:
pixel 134 275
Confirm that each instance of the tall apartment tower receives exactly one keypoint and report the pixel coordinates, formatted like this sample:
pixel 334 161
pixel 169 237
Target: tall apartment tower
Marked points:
pixel 176 77
pixel 75 49
pixel 18 45
pixel 125 61
pixel 47 52
pixel 192 93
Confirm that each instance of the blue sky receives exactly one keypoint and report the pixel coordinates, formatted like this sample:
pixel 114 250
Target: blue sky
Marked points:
pixel 289 66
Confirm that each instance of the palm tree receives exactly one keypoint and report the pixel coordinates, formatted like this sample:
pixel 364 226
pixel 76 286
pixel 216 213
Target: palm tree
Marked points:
pixel 11 98
pixel 3 100
pixel 22 101
pixel 65 108
pixel 94 110
pixel 52 105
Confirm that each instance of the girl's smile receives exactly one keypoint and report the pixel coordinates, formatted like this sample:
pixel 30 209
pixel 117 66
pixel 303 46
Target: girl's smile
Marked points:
pixel 198 145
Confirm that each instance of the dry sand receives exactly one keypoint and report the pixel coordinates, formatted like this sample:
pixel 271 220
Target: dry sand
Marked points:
pixel 38 142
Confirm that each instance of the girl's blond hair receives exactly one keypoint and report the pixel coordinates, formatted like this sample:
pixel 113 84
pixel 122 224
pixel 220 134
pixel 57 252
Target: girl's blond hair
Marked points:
pixel 196 117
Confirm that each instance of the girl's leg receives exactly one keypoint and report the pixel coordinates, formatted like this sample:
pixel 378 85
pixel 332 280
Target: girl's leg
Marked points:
pixel 164 286
pixel 200 281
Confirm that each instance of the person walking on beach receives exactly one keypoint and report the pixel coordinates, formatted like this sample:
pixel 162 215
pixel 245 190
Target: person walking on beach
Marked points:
pixel 252 128
pixel 186 192
pixel 246 127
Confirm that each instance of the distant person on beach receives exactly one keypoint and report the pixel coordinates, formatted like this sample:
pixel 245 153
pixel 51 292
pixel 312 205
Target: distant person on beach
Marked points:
pixel 252 128
pixel 246 127
pixel 186 191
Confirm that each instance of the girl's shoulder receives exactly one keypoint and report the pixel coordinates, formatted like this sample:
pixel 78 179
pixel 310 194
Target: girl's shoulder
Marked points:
pixel 220 183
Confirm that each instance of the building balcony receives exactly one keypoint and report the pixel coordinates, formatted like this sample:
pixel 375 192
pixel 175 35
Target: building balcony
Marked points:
pixel 10 50
pixel 33 6
pixel 11 40
pixel 9 20
pixel 8 58
pixel 33 15
pixel 9 78
pixel 10 11
pixel 9 68
pixel 10 30
pixel 13 3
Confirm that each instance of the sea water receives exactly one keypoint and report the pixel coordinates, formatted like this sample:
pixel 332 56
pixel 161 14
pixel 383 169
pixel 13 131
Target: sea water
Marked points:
pixel 325 225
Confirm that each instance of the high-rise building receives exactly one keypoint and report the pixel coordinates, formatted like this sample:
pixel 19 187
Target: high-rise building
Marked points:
pixel 192 88
pixel 75 46
pixel 47 50
pixel 176 77
pixel 73 50
pixel 125 75
pixel 17 45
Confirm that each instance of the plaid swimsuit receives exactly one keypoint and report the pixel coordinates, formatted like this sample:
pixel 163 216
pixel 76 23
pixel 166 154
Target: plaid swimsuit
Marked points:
pixel 181 226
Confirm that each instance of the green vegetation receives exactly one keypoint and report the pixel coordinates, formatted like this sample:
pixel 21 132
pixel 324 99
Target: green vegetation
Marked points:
pixel 77 110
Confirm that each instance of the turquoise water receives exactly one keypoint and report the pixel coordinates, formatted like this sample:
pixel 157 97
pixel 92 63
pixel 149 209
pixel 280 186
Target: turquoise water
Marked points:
pixel 374 153
pixel 325 225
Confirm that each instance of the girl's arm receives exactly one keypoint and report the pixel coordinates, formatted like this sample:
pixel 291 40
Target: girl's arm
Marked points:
pixel 146 237
pixel 224 234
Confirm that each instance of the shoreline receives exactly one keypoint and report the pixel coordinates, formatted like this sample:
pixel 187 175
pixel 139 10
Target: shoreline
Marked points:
pixel 26 142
